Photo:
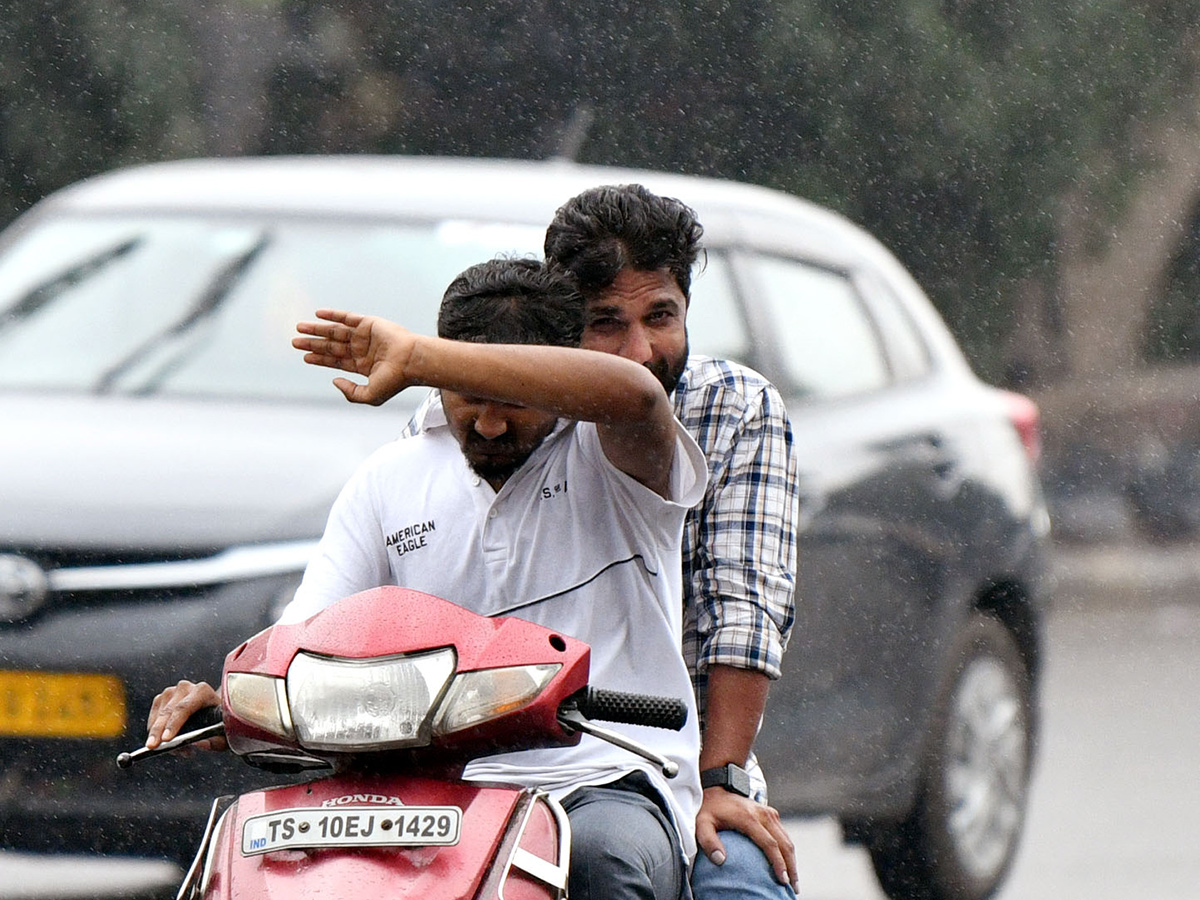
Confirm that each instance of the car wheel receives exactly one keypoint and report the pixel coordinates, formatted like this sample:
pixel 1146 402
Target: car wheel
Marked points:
pixel 959 840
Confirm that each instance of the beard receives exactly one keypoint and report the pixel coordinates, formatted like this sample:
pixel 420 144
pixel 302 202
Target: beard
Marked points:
pixel 492 470
pixel 497 458
pixel 668 371
pixel 494 459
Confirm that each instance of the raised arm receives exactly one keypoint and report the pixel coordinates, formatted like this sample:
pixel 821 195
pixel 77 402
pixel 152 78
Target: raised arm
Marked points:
pixel 631 410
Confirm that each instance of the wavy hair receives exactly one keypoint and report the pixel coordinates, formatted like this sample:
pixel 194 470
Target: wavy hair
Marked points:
pixel 512 301
pixel 597 233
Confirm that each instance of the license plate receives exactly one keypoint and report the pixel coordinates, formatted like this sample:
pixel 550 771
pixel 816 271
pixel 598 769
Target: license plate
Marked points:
pixel 61 705
pixel 374 826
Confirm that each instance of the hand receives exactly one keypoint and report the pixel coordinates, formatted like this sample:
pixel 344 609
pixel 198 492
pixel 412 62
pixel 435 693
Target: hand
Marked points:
pixel 721 810
pixel 364 345
pixel 176 705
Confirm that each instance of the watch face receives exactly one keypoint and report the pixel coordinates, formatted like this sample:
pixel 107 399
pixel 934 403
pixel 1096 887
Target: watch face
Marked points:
pixel 739 780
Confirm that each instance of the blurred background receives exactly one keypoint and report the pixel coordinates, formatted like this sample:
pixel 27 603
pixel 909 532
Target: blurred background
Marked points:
pixel 1034 163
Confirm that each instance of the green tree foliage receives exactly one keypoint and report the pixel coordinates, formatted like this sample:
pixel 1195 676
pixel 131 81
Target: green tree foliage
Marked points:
pixel 84 87
pixel 1173 332
pixel 952 129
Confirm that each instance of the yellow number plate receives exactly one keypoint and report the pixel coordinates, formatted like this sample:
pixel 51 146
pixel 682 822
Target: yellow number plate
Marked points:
pixel 61 705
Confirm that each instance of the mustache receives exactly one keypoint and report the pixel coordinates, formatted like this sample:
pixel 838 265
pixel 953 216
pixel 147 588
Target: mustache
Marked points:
pixel 504 442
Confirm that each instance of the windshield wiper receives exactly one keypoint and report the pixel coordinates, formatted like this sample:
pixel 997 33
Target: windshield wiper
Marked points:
pixel 215 293
pixel 46 291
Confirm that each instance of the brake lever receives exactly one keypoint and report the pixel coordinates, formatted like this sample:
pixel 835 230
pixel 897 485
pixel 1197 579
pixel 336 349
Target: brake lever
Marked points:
pixel 125 760
pixel 574 720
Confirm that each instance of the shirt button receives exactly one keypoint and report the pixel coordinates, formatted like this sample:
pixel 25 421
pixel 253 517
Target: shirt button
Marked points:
pixel 475 482
pixel 492 514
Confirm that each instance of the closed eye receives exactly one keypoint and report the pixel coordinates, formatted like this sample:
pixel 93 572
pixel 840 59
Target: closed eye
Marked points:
pixel 605 323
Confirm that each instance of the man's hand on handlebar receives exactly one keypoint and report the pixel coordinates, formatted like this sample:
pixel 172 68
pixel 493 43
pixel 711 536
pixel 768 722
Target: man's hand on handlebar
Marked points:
pixel 176 705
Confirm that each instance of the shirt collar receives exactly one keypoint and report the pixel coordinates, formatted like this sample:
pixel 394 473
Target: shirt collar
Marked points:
pixel 431 415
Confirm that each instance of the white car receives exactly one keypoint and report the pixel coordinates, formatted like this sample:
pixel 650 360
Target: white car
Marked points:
pixel 167 462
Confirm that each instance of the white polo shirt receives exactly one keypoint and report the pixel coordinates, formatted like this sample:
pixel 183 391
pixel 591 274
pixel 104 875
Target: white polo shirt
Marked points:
pixel 569 542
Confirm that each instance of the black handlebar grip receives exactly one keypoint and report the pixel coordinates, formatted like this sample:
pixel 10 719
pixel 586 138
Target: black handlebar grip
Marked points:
pixel 202 718
pixel 633 709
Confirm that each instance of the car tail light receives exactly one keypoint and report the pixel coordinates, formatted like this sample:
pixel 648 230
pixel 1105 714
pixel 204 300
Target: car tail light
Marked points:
pixel 1027 420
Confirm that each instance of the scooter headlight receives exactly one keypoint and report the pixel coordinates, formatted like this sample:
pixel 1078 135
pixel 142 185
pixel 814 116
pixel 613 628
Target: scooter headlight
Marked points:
pixel 260 700
pixel 485 694
pixel 375 704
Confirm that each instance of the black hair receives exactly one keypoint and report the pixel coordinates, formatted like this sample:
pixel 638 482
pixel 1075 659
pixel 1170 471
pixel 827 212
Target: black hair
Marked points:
pixel 512 301
pixel 605 229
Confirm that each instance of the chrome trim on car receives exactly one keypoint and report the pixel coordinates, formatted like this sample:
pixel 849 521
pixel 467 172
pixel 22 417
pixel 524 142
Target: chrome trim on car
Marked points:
pixel 285 708
pixel 234 564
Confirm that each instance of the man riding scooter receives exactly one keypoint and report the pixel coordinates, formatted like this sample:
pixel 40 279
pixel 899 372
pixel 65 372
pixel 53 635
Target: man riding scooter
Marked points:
pixel 552 486
pixel 632 253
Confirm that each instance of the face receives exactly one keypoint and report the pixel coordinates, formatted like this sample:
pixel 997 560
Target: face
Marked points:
pixel 641 316
pixel 496 438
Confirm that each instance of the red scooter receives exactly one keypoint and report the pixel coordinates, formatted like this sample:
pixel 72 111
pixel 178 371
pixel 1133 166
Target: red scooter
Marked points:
pixel 386 696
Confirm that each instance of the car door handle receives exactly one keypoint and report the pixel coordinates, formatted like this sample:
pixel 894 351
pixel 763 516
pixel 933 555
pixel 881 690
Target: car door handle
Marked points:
pixel 945 467
pixel 926 448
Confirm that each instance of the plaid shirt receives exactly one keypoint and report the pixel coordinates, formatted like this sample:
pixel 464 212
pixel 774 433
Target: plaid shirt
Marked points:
pixel 739 544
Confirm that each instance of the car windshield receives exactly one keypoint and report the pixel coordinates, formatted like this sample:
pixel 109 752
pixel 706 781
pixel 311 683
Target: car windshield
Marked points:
pixel 192 305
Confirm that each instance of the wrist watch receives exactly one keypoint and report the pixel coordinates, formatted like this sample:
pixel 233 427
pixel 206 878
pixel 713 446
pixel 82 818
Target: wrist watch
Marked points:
pixel 732 777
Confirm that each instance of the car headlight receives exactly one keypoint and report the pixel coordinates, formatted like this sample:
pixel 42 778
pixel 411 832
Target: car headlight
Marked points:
pixel 485 694
pixel 347 704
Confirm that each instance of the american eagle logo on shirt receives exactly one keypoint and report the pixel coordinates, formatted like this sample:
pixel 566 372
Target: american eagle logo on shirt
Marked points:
pixel 410 537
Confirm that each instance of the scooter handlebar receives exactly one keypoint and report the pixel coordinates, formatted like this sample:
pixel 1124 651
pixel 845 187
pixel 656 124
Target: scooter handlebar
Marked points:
pixel 632 709
pixel 201 725
pixel 202 718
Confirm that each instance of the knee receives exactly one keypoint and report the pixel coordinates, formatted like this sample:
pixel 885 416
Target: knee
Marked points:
pixel 746 873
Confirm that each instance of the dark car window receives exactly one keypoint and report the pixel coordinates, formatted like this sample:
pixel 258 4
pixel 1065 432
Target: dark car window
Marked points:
pixel 828 344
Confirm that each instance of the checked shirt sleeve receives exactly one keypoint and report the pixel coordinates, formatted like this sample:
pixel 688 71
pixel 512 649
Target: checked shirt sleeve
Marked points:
pixel 740 542
pixel 432 400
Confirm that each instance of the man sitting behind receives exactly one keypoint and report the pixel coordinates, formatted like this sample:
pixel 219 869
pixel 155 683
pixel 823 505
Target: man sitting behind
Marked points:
pixel 551 485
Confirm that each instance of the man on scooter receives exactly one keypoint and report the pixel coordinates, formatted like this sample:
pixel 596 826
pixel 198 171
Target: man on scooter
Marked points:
pixel 632 253
pixel 557 481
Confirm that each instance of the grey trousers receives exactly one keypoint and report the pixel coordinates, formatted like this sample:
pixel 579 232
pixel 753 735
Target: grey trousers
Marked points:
pixel 623 846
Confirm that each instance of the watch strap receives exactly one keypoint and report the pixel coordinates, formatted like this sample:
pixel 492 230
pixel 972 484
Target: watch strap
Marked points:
pixel 730 776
